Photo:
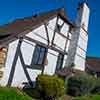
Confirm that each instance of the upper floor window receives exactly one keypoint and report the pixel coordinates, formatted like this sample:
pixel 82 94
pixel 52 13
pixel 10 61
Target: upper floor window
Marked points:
pixel 39 55
pixel 60 61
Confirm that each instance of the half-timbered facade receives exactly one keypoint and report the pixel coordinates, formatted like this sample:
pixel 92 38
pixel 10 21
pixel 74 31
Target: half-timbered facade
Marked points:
pixel 42 43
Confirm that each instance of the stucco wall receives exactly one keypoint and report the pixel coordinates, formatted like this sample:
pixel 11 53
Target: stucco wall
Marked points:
pixel 27 50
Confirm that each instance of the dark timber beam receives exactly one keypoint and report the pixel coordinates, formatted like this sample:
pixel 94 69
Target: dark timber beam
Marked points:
pixel 44 45
pixel 14 64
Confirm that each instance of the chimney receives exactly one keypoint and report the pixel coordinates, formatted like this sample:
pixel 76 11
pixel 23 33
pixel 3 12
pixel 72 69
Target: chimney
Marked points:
pixel 83 16
pixel 78 45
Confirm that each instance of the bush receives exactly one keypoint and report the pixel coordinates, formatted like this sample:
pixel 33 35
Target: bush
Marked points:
pixel 32 92
pixel 80 85
pixel 50 87
pixel 12 94
pixel 97 86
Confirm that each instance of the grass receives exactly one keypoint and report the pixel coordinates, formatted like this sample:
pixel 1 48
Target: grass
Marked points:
pixel 65 97
pixel 7 93
pixel 92 97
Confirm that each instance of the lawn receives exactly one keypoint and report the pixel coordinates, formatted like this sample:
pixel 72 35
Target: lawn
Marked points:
pixel 92 97
pixel 7 93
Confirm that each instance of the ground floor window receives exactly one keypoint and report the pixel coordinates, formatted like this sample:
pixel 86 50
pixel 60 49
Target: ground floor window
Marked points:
pixel 39 55
pixel 59 61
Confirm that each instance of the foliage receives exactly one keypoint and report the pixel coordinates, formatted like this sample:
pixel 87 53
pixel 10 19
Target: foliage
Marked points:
pixel 97 86
pixel 7 93
pixel 50 87
pixel 80 85
pixel 32 92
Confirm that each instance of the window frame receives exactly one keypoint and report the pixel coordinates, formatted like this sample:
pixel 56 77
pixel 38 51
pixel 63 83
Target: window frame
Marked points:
pixel 39 53
pixel 60 61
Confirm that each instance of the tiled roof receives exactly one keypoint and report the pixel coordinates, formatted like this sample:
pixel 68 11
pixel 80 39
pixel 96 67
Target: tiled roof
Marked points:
pixel 20 25
pixel 93 63
pixel 9 32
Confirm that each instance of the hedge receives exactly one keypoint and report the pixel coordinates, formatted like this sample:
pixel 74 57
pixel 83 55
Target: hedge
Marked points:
pixel 97 86
pixel 80 85
pixel 49 87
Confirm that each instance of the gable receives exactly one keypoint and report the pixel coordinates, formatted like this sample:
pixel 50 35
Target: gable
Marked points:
pixel 20 27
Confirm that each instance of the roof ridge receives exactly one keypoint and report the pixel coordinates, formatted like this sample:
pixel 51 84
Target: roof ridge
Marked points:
pixel 34 15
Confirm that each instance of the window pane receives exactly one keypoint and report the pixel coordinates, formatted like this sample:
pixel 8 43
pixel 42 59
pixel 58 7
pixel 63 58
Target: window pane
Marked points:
pixel 35 55
pixel 60 61
pixel 39 55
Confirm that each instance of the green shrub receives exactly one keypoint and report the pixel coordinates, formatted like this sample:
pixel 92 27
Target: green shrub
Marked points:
pixel 50 87
pixel 12 94
pixel 80 85
pixel 32 92
pixel 97 86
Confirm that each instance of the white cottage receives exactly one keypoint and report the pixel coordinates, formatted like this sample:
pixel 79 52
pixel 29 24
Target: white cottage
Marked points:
pixel 42 43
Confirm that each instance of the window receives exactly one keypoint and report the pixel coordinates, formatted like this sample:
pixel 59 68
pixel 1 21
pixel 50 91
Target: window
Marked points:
pixel 60 61
pixel 39 55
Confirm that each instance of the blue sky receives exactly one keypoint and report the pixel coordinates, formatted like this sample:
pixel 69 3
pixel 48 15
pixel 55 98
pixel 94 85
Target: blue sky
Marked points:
pixel 12 9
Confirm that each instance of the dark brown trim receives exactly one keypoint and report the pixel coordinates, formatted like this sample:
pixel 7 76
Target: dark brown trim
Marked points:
pixel 56 46
pixel 68 39
pixel 81 48
pixel 40 36
pixel 84 30
pixel 66 42
pixel 15 36
pixel 25 68
pixel 10 80
pixel 64 36
pixel 61 34
pixel 47 33
pixel 66 20
pixel 52 42
pixel 44 45
pixel 61 58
